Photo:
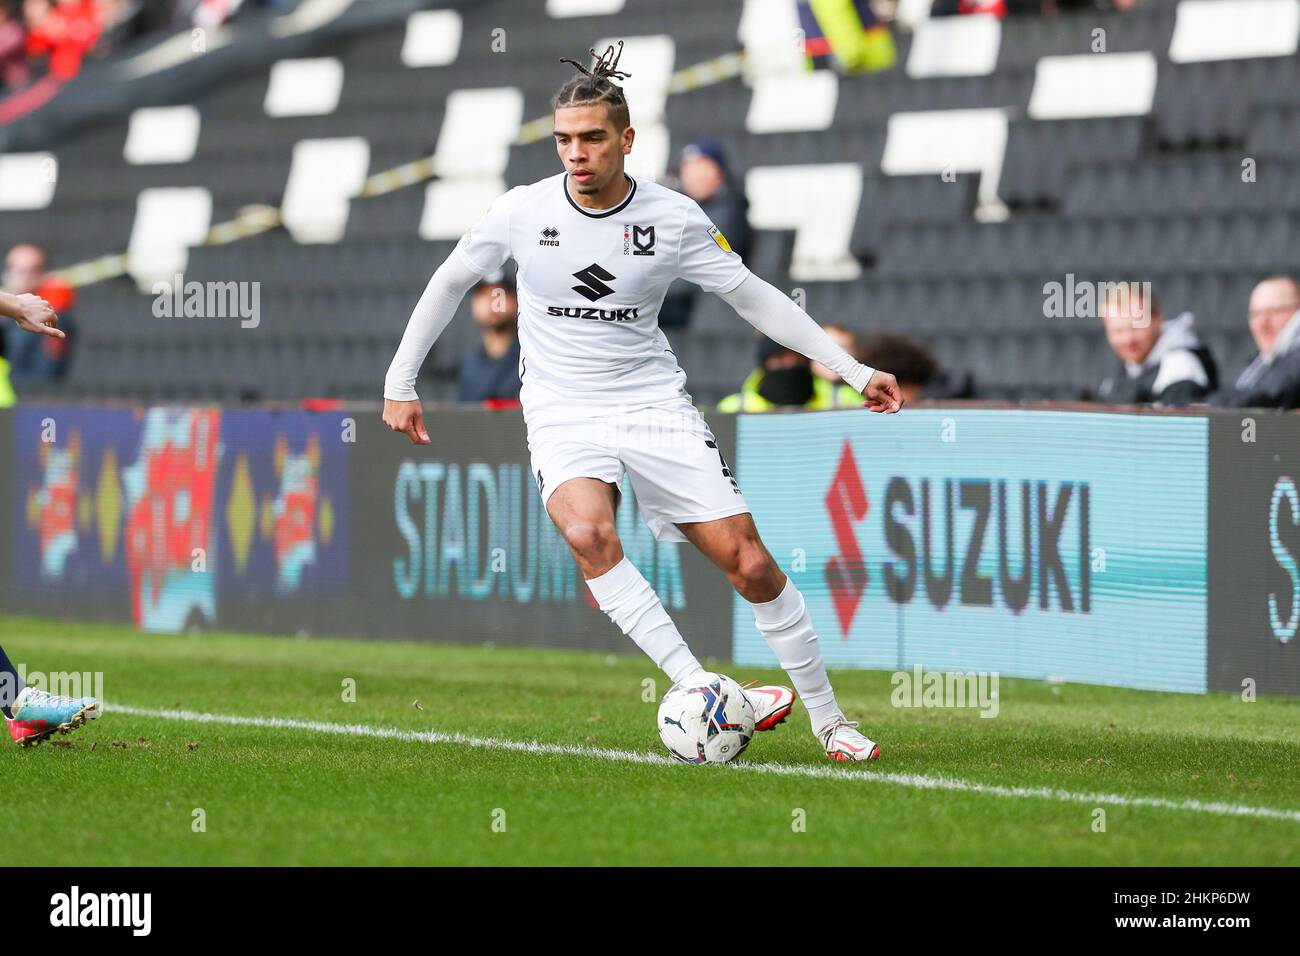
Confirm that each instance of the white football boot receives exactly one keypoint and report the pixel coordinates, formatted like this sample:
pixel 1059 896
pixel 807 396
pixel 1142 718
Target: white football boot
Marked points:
pixel 772 704
pixel 843 742
pixel 38 714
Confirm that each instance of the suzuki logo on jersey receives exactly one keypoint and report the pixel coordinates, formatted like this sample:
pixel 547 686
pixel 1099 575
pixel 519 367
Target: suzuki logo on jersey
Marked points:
pixel 549 237
pixel 603 315
pixel 643 237
pixel 593 278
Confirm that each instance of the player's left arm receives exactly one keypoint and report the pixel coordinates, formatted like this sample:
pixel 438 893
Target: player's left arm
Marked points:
pixel 32 313
pixel 778 317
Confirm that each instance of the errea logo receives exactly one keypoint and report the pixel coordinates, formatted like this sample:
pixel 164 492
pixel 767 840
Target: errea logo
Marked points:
pixel 550 237
pixel 103 909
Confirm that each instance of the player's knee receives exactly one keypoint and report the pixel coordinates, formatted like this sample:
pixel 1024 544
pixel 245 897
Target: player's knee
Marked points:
pixel 590 538
pixel 753 567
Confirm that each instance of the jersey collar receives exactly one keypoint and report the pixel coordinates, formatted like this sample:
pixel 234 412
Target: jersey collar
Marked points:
pixel 564 185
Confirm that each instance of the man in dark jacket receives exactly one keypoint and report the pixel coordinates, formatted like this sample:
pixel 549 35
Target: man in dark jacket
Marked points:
pixel 490 370
pixel 704 177
pixel 1161 361
pixel 1272 380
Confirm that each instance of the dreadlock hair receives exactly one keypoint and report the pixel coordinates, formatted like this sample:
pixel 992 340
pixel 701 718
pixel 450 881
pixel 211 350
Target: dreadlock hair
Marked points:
pixel 594 86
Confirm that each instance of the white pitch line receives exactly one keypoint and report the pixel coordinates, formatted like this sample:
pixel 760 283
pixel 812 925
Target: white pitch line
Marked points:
pixel 916 781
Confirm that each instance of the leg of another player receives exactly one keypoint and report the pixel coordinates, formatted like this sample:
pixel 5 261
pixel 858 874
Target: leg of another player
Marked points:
pixel 32 715
pixel 10 684
pixel 583 511
pixel 733 544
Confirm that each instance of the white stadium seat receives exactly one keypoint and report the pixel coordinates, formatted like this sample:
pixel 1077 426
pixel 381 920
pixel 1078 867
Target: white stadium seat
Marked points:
pixel 451 206
pixel 820 203
pixel 956 141
pixel 27 180
pixel 304 87
pixel 167 222
pixel 1215 30
pixel 477 130
pixel 955 46
pixel 793 101
pixel 324 176
pixel 912 13
pixel 1093 84
pixel 583 8
pixel 162 134
pixel 649 158
pixel 432 38
pixel 769 32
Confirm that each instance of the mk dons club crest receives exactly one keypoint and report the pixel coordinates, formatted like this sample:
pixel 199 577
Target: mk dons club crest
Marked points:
pixel 639 240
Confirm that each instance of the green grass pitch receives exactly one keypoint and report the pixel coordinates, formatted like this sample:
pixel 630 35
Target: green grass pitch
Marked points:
pixel 1181 779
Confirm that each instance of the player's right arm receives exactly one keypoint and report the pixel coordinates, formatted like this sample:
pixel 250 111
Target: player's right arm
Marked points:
pixel 402 410
pixel 482 250
pixel 32 313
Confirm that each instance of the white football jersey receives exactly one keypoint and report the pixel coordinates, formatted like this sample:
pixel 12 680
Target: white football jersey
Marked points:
pixel 590 283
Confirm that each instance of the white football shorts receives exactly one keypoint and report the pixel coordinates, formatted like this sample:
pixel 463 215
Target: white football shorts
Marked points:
pixel 667 450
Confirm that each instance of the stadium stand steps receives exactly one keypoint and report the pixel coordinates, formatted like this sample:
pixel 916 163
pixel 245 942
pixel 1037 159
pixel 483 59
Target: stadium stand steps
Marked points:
pixel 1159 196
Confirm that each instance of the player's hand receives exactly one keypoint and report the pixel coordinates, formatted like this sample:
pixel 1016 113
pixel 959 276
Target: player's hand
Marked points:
pixel 882 394
pixel 37 315
pixel 407 418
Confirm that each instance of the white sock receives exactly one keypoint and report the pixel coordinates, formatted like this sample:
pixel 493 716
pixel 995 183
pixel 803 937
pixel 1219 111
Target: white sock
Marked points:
pixel 788 629
pixel 627 597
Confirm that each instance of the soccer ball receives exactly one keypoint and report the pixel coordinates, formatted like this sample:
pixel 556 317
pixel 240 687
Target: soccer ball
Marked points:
pixel 708 720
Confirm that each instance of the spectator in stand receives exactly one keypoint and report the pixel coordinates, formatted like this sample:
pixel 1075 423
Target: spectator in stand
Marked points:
pixel 490 371
pixel 64 31
pixel 843 394
pixel 32 314
pixel 703 176
pixel 1272 380
pixel 850 36
pixel 783 379
pixel 1160 362
pixel 918 372
pixel 13 50
pixel 36 359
